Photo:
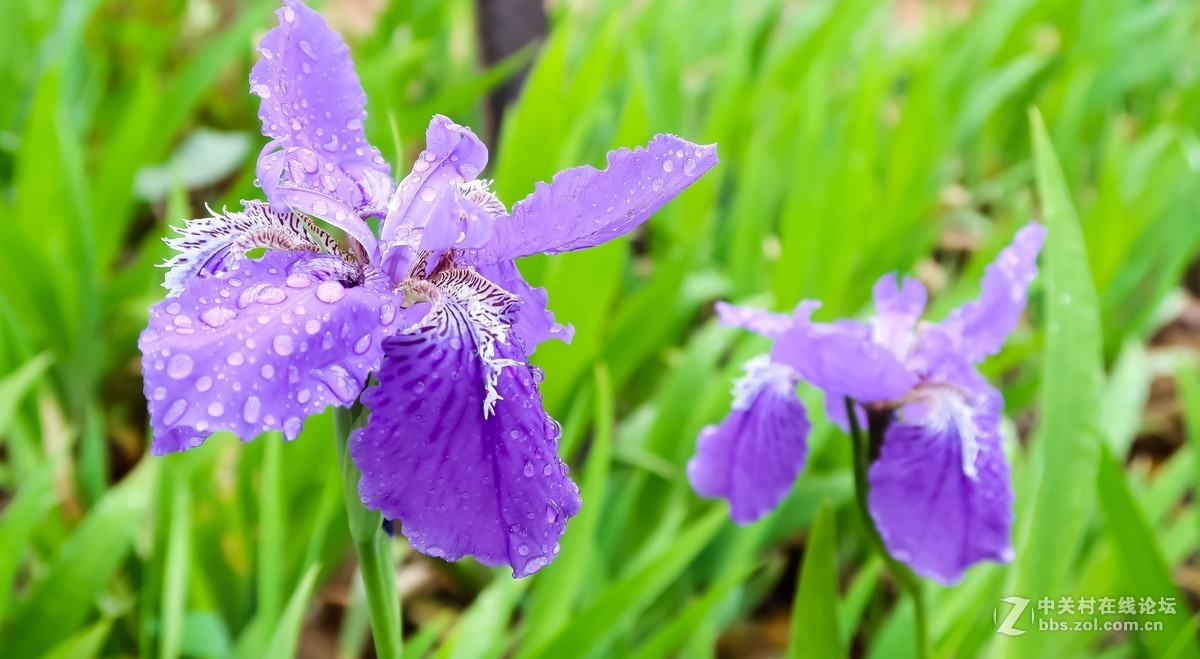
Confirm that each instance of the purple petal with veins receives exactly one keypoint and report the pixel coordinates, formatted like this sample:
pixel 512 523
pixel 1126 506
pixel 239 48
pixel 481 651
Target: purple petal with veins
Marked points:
pixel 584 206
pixel 754 455
pixel 457 446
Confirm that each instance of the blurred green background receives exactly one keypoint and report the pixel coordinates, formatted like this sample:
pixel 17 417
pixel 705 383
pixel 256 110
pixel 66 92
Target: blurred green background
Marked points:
pixel 855 138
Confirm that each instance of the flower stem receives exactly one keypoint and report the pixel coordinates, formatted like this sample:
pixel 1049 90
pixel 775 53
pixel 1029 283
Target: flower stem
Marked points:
pixel 863 448
pixel 374 548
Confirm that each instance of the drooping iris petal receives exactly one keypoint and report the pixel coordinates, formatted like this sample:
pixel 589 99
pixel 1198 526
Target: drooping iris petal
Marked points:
pixel 262 346
pixel 841 358
pixel 584 206
pixel 897 310
pixel 453 156
pixel 762 322
pixel 457 446
pixel 319 160
pixel 754 455
pixel 940 493
pixel 982 325
pixel 533 322
pixel 211 244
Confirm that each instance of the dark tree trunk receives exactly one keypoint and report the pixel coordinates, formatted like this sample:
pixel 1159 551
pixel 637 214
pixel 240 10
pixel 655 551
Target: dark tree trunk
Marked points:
pixel 506 26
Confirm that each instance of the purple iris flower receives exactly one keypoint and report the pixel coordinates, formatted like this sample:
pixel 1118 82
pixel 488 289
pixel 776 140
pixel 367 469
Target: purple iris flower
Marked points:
pixel 939 485
pixel 457 446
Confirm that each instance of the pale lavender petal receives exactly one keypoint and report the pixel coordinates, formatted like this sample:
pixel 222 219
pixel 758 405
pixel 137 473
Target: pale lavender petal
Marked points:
pixel 767 323
pixel 897 309
pixel 319 160
pixel 982 325
pixel 841 358
pixel 457 446
pixel 752 458
pixel 940 492
pixel 583 207
pixel 262 346
pixel 452 158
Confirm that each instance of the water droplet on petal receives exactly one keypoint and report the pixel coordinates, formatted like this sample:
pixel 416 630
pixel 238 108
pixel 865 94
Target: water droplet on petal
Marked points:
pixel 262 91
pixel 312 326
pixel 283 345
pixel 298 280
pixel 179 366
pixel 668 166
pixel 362 345
pixel 217 316
pixel 523 550
pixel 528 470
pixel 159 393
pixel 330 291
pixel 271 295
pixel 215 408
pixel 291 427
pixel 308 49
pixel 387 313
pixel 251 408
pixel 235 359
pixel 428 194
pixel 267 371
pixel 175 411
pixel 204 383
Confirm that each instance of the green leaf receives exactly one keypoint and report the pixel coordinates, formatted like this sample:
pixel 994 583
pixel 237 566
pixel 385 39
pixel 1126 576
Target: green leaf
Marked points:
pixel 814 631
pixel 598 625
pixel 1063 457
pixel 287 632
pixel 61 601
pixel 1144 569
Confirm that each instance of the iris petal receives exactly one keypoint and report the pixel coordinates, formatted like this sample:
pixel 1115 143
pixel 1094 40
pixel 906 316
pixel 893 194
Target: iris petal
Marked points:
pixel 982 325
pixel 319 160
pixel 754 455
pixel 940 492
pixel 842 358
pixel 465 476
pixel 261 346
pixel 429 204
pixel 584 206
pixel 897 310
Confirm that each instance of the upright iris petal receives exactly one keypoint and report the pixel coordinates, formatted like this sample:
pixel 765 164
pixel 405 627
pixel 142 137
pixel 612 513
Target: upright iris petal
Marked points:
pixel 939 488
pixel 318 160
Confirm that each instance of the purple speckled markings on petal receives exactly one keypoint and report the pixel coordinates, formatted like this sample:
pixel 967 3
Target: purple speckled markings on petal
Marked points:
pixel 260 347
pixel 458 447
pixel 754 455
pixel 584 206
pixel 319 160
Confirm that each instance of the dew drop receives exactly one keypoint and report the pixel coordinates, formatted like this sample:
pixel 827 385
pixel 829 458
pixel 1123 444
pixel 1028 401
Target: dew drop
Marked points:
pixel 657 185
pixel 330 291
pixel 175 411
pixel 307 49
pixel 320 207
pixel 215 408
pixel 528 470
pixel 179 366
pixel 298 280
pixel 668 166
pixel 303 396
pixel 271 295
pixel 159 393
pixel 262 91
pixel 217 316
pixel 251 408
pixel 267 371
pixel 362 345
pixel 283 345
pixel 235 359
pixel 523 550
pixel 312 326
pixel 387 313
pixel 428 194
pixel 204 383
pixel 291 427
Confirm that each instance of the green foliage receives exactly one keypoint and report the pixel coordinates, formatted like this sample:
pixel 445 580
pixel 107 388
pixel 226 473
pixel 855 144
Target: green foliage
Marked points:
pixel 855 138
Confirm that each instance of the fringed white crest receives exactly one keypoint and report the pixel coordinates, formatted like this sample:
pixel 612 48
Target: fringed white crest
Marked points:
pixel 210 244
pixel 466 304
pixel 762 373
pixel 480 193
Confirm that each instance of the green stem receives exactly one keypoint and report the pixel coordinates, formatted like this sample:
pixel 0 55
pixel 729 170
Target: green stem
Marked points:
pixel 374 548
pixel 901 572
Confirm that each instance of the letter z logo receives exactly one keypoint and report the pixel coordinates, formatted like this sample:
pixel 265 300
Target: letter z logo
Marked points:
pixel 1014 614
